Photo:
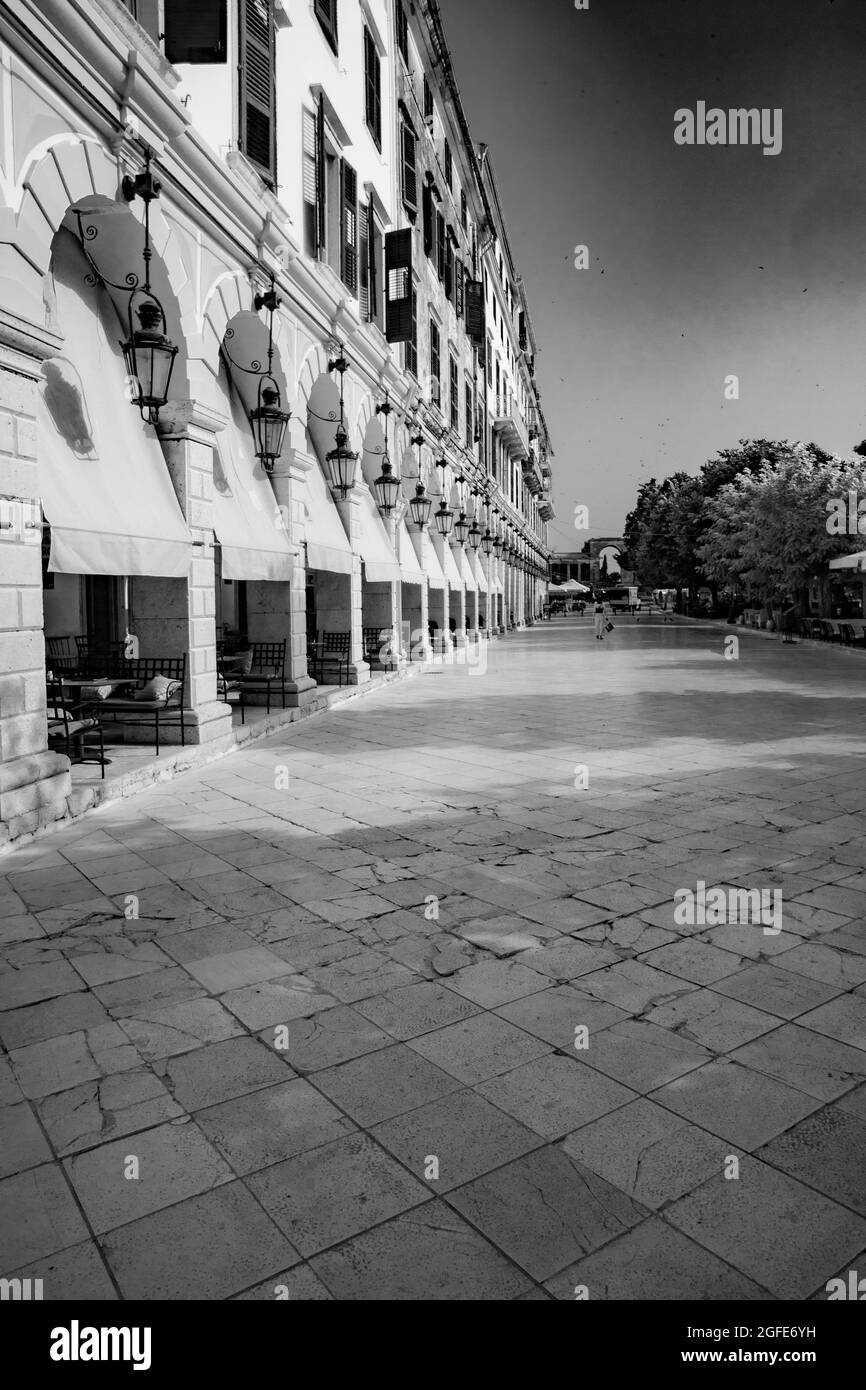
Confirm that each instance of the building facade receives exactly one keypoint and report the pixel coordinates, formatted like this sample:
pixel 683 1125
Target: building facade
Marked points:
pixel 267 367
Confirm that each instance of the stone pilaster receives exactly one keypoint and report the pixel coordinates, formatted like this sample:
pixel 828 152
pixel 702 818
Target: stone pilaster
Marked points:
pixel 349 510
pixel 188 437
pixel 34 782
pixel 288 485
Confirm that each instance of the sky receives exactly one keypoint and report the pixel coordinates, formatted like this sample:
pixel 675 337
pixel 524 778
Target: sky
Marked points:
pixel 705 262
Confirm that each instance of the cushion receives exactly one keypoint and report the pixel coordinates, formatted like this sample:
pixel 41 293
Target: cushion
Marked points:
pixel 158 690
pixel 96 692
pixel 240 664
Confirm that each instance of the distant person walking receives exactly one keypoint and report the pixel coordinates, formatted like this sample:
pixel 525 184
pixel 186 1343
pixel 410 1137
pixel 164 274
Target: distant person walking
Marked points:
pixel 598 611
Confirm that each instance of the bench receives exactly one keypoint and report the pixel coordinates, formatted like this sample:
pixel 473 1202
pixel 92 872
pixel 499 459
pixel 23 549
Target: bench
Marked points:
pixel 163 706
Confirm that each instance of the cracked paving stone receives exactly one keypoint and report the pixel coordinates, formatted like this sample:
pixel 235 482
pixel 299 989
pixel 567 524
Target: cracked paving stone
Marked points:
pixel 712 1020
pixel 429 1254
pixel 264 1127
pixel 38 1216
pixel 384 1083
pixel 325 1039
pixel 59 1063
pixel 179 1028
pixel 641 1055
pixel 546 1210
pixel 826 1151
pixel 361 976
pixel 654 1262
pixel 414 1009
pixel 635 987
pixel 221 1071
pixel 643 1151
pixel 174 1161
pixel 490 983
pixel 68 1014
pixel 276 1001
pixel 74 1274
pixel 22 1143
pixel 553 1096
pixel 776 990
pixel 105 1109
pixel 479 1048
pixel 555 1014
pixel 465 1134
pixel 822 1067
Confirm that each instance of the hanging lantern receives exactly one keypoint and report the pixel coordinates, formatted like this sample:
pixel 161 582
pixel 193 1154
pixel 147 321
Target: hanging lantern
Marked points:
pixel 461 529
pixel 387 488
pixel 498 547
pixel 487 542
pixel 475 536
pixel 341 461
pixel 444 519
pixel 420 507
pixel 269 422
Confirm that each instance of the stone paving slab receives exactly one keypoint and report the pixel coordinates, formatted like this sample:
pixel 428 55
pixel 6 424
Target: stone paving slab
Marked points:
pixel 427 1023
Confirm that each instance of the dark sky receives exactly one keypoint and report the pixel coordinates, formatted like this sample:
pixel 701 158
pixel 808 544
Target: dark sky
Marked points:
pixel 716 260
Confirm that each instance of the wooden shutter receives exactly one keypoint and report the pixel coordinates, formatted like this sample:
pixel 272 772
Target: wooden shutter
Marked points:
pixel 475 317
pixel 258 85
pixel 410 169
pixel 326 13
pixel 195 31
pixel 427 201
pixel 321 201
pixel 449 269
pixel 402 32
pixel 459 276
pixel 373 262
pixel 522 331
pixel 373 87
pixel 349 225
pixel 440 245
pixel 398 287
pixel 364 266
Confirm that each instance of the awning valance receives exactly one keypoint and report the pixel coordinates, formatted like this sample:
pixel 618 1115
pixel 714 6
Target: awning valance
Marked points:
pixel 380 562
pixel 247 522
pixel 327 545
pixel 104 483
pixel 410 569
pixel 850 562
pixel 467 571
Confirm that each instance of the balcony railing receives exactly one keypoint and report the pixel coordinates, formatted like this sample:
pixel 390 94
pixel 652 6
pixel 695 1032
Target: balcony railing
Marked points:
pixel 509 423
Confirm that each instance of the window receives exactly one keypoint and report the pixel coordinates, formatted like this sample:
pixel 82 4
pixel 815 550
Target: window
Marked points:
pixel 449 266
pixel 349 226
pixel 463 209
pixel 470 416
pixel 435 364
pixel 373 88
pixel 428 100
pixel 411 349
pixel 459 277
pixel 475 315
pixel 449 164
pixel 399 295
pixel 409 168
pixel 428 219
pixel 440 245
pixel 402 33
pixel 313 160
pixel 454 393
pixel 489 360
pixel 326 13
pixel 195 30
pixel 256 135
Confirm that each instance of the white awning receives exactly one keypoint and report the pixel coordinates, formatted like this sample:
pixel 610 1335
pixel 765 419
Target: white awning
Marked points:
pixel 248 524
pixel 380 562
pixel 104 483
pixel 433 571
pixel 449 566
pixel 327 545
pixel 478 567
pixel 850 562
pixel 467 571
pixel 410 569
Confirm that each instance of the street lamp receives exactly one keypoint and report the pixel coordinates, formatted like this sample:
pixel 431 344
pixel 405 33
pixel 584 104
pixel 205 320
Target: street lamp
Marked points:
pixel 461 529
pixel 420 507
pixel 444 519
pixel 475 535
pixel 268 420
pixel 386 487
pixel 341 461
pixel 487 542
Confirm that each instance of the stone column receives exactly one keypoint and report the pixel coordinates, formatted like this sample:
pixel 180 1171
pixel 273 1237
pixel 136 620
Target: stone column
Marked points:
pixel 34 782
pixel 288 485
pixel 187 434
pixel 460 615
pixel 349 510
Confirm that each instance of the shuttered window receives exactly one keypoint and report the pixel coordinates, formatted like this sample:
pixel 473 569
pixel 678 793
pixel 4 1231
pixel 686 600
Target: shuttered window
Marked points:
pixel 258 86
pixel 195 30
pixel 435 364
pixel 428 100
pixel 475 316
pixel 521 331
pixel 370 247
pixel 470 416
pixel 409 169
pixel 449 164
pixel 364 265
pixel 373 87
pixel 412 344
pixel 454 384
pixel 459 283
pixel 428 216
pixel 402 32
pixel 398 286
pixel 349 226
pixel 463 209
pixel 326 13
pixel 313 174
pixel 440 245
pixel 448 276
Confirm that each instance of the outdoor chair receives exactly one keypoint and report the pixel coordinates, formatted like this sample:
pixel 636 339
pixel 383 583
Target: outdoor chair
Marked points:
pixel 332 649
pixel 376 641
pixel 267 672
pixel 152 691
pixel 70 726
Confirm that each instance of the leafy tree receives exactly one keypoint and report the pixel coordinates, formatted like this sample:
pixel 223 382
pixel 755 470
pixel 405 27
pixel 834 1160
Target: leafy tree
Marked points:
pixel 768 527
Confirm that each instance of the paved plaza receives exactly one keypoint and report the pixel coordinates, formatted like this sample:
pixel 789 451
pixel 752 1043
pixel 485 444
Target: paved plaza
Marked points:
pixel 396 1005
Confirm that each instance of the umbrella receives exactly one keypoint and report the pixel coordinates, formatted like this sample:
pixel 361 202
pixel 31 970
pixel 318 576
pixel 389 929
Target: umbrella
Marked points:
pixel 573 587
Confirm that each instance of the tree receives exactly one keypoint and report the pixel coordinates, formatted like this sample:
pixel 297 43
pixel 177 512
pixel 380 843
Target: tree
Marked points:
pixel 661 532
pixel 768 526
